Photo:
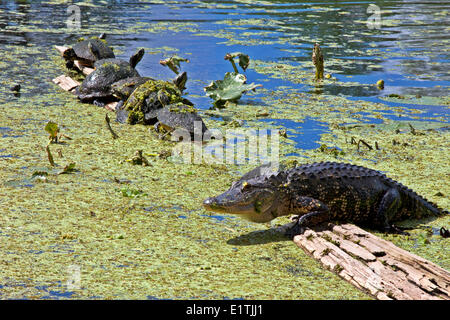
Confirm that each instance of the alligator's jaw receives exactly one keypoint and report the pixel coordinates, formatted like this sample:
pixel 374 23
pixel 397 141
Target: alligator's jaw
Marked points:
pixel 212 204
pixel 246 212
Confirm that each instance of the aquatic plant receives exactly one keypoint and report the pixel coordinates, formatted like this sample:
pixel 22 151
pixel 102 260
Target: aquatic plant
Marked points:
pixel 173 63
pixel 233 85
pixel 244 60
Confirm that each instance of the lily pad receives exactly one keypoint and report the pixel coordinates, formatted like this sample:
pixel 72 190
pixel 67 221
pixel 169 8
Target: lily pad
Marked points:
pixel 230 88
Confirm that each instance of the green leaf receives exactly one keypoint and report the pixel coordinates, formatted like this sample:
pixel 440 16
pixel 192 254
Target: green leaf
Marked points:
pixel 39 174
pixel 173 63
pixel 230 88
pixel 52 128
pixel 244 59
pixel 132 193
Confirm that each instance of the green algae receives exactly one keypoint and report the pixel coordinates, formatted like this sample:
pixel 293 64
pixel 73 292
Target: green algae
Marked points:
pixel 417 99
pixel 100 229
pixel 133 247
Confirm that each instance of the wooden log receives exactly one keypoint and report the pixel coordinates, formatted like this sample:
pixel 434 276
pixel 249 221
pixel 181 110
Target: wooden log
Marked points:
pixel 111 106
pixel 66 83
pixel 375 265
pixel 61 49
pixel 85 69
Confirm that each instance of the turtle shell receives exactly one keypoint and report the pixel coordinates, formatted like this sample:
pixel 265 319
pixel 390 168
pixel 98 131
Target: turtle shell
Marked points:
pixel 97 85
pixel 122 89
pixel 81 51
pixel 148 97
pixel 180 116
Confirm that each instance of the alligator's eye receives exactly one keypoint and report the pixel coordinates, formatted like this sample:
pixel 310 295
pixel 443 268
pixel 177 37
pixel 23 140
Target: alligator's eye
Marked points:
pixel 245 185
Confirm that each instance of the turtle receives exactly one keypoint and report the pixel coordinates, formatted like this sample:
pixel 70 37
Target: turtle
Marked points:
pixel 97 85
pixel 122 89
pixel 141 105
pixel 182 118
pixel 88 52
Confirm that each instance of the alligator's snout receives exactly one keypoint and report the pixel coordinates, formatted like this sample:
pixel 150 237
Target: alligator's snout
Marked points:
pixel 207 202
pixel 210 203
pixel 215 204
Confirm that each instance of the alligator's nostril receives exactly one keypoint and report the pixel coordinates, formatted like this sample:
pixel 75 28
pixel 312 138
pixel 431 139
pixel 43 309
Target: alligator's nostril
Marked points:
pixel 207 202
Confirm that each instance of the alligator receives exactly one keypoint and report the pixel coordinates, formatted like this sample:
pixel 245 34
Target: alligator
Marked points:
pixel 320 192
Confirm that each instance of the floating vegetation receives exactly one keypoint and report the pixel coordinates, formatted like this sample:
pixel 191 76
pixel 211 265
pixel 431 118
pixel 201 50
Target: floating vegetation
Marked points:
pixel 152 237
pixel 173 63
pixel 53 130
pixel 231 88
pixel 233 85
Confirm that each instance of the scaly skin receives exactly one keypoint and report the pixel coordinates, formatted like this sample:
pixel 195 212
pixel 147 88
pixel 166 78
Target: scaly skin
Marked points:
pixel 325 191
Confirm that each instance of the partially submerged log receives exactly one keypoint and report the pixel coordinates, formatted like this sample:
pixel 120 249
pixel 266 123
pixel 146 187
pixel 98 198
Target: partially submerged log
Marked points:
pixel 66 83
pixel 86 70
pixel 375 265
pixel 317 59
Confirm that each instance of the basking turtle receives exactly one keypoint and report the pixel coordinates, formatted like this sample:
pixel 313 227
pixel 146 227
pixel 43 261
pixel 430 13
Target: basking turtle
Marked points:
pixel 122 89
pixel 88 52
pixel 142 104
pixel 97 85
pixel 180 117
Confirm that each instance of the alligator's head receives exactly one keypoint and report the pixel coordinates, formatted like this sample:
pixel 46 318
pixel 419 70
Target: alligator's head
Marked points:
pixel 255 196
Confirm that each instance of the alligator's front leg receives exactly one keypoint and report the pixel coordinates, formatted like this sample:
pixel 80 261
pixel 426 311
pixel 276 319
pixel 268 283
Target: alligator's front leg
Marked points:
pixel 308 212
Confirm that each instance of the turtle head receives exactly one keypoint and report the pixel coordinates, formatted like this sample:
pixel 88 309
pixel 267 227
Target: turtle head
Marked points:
pixel 69 54
pixel 94 51
pixel 180 80
pixel 163 97
pixel 135 58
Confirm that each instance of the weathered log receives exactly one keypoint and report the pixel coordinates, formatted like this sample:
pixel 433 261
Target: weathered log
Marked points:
pixel 61 49
pixel 375 265
pixel 66 83
pixel 86 70
pixel 111 106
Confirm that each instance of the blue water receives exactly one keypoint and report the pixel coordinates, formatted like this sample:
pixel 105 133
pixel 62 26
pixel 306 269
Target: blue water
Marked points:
pixel 305 134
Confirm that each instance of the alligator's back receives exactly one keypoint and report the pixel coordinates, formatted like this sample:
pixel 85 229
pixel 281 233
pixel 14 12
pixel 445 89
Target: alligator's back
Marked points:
pixel 354 193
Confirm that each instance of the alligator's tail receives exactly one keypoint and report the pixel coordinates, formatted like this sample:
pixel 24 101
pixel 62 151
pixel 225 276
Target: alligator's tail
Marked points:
pixel 418 205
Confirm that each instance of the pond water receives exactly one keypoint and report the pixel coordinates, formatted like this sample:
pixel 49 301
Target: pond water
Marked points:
pixel 153 220
pixel 408 50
